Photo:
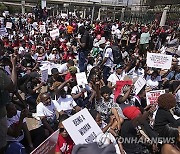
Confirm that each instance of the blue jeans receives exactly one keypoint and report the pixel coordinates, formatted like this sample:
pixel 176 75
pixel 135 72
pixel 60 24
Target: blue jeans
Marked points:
pixel 106 73
pixel 82 61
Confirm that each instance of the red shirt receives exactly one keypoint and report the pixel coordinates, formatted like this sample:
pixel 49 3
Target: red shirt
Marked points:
pixel 64 145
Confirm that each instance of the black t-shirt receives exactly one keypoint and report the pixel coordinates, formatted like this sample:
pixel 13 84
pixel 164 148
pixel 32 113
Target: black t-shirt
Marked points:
pixel 134 36
pixel 128 132
pixel 164 117
pixel 28 63
pixel 84 39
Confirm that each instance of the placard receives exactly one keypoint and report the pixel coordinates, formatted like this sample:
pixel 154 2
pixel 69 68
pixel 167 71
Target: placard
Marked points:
pixel 81 78
pixel 159 60
pixel 139 84
pixel 3 32
pixel 48 146
pixel 44 75
pixel 152 96
pixel 119 86
pixel 9 25
pixel 54 33
pixel 42 29
pixel 82 127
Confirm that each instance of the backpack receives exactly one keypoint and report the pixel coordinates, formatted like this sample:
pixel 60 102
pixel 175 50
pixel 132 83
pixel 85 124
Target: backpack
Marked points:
pixel 117 56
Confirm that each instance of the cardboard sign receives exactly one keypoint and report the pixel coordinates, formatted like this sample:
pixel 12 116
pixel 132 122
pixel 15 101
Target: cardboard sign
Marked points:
pixel 42 29
pixel 119 86
pixel 152 96
pixel 139 84
pixel 81 78
pixel 48 146
pixel 9 25
pixel 82 127
pixel 159 60
pixel 54 33
pixel 44 75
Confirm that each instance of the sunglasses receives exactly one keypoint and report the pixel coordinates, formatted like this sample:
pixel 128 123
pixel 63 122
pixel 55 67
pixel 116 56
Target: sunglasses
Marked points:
pixel 61 130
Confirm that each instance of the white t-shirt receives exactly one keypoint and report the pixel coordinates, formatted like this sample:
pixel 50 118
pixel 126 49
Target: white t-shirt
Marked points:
pixel 136 73
pixel 153 83
pixel 15 120
pixel 47 111
pixel 63 68
pixel 77 89
pixel 108 54
pixel 66 104
pixel 115 77
pixel 53 56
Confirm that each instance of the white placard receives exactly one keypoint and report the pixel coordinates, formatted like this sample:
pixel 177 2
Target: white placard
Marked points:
pixel 42 29
pixel 159 60
pixel 9 25
pixel 44 75
pixel 81 78
pixel 152 96
pixel 139 84
pixel 54 33
pixel 82 127
pixel 3 32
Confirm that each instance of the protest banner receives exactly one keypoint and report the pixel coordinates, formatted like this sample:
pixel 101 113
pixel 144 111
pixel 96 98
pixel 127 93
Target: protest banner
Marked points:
pixel 119 86
pixel 81 78
pixel 44 75
pixel 159 60
pixel 42 29
pixel 152 96
pixel 54 33
pixel 8 25
pixel 82 127
pixel 139 84
pixel 48 146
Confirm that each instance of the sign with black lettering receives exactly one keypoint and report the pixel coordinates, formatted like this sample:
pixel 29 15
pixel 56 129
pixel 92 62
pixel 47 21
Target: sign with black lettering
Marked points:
pixel 82 127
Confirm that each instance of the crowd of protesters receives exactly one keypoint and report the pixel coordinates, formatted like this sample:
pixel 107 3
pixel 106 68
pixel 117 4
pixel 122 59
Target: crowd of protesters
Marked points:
pixel 107 51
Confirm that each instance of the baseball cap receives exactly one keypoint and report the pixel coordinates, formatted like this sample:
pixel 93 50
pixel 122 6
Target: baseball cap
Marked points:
pixel 72 69
pixel 102 41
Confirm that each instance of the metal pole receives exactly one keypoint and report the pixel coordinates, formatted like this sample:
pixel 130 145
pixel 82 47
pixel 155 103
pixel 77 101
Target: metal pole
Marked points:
pixel 23 6
pixel 93 12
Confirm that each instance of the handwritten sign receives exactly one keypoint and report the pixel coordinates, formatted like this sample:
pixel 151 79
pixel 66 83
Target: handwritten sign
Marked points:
pixel 54 33
pixel 42 29
pixel 81 78
pixel 159 60
pixel 9 25
pixel 82 127
pixel 119 86
pixel 44 75
pixel 152 96
pixel 48 146
pixel 139 84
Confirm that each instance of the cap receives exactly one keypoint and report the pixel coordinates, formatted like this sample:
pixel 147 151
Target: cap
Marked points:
pixel 72 69
pixel 131 112
pixel 102 41
pixel 118 66
pixel 54 49
pixel 54 71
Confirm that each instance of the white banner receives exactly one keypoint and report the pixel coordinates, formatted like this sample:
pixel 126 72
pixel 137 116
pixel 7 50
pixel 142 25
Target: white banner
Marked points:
pixel 9 25
pixel 159 60
pixel 152 96
pixel 139 84
pixel 42 29
pixel 82 127
pixel 44 75
pixel 54 33
pixel 81 78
